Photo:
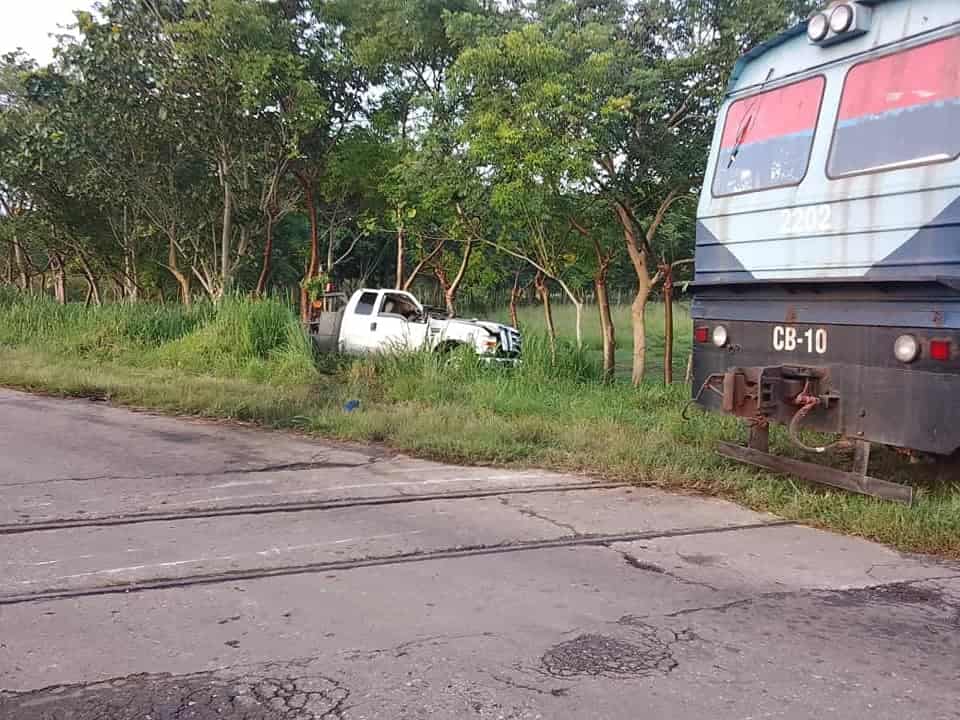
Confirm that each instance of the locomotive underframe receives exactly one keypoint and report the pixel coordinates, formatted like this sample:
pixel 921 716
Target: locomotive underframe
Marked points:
pixel 856 389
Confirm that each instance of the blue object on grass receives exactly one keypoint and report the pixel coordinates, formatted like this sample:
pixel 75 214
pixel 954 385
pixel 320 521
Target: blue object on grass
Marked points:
pixel 351 405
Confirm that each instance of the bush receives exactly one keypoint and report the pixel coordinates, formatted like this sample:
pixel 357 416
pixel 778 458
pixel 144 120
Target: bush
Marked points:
pixel 262 339
pixel 259 339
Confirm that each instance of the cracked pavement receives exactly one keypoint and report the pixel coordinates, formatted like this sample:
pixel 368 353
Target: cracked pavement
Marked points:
pixel 427 591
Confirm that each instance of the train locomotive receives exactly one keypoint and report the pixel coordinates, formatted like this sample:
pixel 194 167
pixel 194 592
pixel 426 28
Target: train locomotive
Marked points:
pixel 827 282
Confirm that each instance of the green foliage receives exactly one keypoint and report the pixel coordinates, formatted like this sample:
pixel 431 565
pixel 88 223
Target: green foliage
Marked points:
pixel 315 285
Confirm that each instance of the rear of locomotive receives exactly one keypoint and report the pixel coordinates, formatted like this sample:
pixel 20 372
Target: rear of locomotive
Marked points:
pixel 827 287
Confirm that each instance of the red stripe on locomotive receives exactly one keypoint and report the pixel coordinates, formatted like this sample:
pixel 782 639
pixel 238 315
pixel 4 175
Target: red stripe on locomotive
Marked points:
pixel 923 75
pixel 775 113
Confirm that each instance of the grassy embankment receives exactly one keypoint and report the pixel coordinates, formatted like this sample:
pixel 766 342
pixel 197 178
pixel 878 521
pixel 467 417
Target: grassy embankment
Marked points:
pixel 249 361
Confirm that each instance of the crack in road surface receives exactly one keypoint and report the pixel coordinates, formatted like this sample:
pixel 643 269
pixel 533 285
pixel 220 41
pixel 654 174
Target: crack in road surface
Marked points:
pixel 645 566
pixel 275 691
pixel 530 513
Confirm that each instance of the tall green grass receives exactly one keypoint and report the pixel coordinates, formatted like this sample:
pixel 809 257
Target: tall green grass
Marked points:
pixel 251 361
pixel 238 337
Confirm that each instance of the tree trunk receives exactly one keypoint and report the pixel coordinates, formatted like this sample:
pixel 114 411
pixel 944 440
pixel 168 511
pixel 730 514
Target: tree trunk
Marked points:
pixel 442 280
pixel 543 292
pixel 93 290
pixel 400 282
pixel 267 257
pixel 607 329
pixel 578 317
pixel 450 294
pixel 182 278
pixel 131 288
pixel 59 278
pixel 515 294
pixel 331 247
pixel 313 266
pixel 93 287
pixel 131 284
pixel 184 287
pixel 21 264
pixel 637 250
pixel 226 232
pixel 667 325
pixel 638 317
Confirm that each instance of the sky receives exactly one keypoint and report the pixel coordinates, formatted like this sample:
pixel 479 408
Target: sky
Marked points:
pixel 28 24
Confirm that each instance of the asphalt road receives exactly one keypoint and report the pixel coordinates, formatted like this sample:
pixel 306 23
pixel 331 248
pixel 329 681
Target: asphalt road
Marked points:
pixel 171 569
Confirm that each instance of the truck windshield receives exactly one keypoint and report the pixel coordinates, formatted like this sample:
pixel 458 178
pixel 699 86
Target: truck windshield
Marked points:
pixel 767 138
pixel 899 110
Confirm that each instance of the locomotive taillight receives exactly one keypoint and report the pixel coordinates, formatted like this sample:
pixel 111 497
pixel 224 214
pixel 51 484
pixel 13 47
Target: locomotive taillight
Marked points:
pixel 906 348
pixel 701 334
pixel 720 336
pixel 940 350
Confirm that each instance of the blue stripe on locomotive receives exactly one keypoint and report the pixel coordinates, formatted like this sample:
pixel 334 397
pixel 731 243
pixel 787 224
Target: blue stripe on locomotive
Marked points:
pixel 899 224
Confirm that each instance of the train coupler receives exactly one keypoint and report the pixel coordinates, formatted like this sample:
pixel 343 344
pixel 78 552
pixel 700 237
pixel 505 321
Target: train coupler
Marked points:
pixel 775 392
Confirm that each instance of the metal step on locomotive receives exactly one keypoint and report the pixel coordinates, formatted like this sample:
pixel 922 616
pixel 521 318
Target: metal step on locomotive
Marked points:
pixel 827 286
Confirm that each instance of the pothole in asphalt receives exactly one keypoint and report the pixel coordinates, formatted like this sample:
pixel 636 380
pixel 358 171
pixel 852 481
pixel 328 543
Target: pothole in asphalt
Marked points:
pixel 647 652
pixel 897 594
pixel 273 693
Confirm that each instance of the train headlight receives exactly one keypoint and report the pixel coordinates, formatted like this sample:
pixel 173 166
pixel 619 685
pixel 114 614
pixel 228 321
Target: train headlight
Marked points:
pixel 720 336
pixel 841 18
pixel 817 27
pixel 906 348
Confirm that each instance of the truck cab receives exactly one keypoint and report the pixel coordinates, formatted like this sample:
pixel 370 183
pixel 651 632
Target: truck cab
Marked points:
pixel 377 320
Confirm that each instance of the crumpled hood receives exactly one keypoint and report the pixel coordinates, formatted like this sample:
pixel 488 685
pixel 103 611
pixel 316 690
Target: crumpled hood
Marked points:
pixel 493 327
pixel 488 325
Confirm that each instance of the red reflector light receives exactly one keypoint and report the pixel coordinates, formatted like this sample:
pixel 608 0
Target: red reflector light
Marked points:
pixel 940 350
pixel 701 334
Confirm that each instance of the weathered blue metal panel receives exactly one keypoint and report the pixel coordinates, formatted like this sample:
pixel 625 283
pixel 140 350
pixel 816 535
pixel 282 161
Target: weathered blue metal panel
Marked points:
pixel 900 224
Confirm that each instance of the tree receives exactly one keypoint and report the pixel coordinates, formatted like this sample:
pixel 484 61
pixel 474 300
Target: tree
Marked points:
pixel 614 100
pixel 245 103
pixel 15 203
pixel 516 127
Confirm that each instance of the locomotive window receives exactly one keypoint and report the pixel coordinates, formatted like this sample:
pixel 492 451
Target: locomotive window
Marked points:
pixel 767 138
pixel 899 111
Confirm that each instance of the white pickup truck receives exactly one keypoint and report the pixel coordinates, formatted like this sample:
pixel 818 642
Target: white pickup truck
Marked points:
pixel 395 321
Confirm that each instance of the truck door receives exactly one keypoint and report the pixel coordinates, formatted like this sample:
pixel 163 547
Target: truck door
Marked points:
pixel 358 332
pixel 399 325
